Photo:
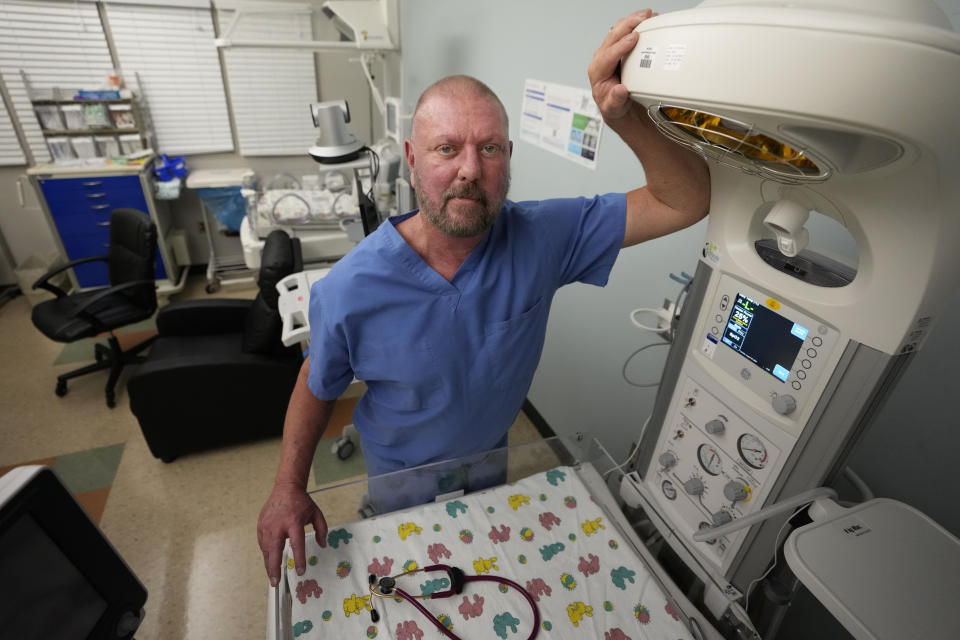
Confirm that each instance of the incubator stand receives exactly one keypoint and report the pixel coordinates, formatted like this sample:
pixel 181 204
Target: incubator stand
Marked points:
pixel 219 264
pixel 526 463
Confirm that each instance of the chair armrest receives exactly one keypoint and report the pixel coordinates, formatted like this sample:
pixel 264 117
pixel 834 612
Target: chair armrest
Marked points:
pixel 203 317
pixel 43 283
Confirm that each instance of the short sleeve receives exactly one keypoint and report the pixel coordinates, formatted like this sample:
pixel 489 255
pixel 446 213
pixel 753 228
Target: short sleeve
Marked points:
pixel 330 371
pixel 589 232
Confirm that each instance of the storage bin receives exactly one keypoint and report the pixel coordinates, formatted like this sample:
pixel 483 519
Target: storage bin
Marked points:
pixel 130 143
pixel 49 117
pixel 84 146
pixel 73 116
pixel 60 149
pixel 96 115
pixel 107 146
pixel 122 116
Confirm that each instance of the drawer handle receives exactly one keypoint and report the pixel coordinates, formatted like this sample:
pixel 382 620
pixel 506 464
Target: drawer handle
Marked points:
pixel 94 183
pixel 103 224
pixel 96 195
pixel 99 206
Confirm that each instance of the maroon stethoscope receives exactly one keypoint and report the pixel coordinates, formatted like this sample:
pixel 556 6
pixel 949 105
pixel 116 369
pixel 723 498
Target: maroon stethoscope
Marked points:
pixel 386 587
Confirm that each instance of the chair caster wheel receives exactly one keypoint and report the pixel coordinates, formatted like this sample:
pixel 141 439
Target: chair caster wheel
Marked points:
pixel 213 287
pixel 343 447
pixel 61 389
pixel 111 401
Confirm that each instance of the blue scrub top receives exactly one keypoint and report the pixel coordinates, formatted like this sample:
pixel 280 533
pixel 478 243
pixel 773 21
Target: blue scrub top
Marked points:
pixel 448 364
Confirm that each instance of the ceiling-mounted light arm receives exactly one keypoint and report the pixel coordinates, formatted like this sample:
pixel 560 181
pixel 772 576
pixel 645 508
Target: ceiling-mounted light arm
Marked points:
pixel 366 60
pixel 228 41
pixel 362 22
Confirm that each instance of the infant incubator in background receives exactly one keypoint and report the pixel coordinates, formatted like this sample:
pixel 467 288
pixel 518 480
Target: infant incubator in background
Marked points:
pixel 839 116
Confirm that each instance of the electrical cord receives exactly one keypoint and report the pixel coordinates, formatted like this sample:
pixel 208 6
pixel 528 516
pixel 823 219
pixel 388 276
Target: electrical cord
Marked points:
pixel 623 372
pixel 375 157
pixel 776 557
pixel 633 453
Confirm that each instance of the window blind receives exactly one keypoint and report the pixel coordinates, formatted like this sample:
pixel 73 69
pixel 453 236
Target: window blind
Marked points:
pixel 271 89
pixel 172 50
pixel 10 152
pixel 57 44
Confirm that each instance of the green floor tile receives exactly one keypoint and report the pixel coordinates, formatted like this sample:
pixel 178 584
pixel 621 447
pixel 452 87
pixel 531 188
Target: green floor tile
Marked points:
pixel 89 470
pixel 78 351
pixel 327 467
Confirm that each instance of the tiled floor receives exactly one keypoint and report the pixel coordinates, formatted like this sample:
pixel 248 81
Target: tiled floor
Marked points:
pixel 186 529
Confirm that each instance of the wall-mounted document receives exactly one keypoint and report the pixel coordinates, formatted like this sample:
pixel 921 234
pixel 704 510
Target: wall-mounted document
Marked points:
pixel 563 120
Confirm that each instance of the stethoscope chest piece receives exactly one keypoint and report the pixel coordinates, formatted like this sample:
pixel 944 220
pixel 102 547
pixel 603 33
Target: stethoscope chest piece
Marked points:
pixel 386 585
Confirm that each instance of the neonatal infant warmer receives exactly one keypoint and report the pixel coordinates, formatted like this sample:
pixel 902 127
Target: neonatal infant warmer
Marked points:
pixel 844 112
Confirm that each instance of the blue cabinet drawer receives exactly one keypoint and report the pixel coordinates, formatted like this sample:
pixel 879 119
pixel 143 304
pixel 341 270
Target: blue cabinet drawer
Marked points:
pixel 81 208
pixel 62 206
pixel 85 223
pixel 75 196
pixel 97 243
pixel 79 187
pixel 83 245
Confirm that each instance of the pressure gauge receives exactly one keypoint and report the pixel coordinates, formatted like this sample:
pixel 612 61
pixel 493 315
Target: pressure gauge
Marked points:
pixel 709 459
pixel 752 450
pixel 669 490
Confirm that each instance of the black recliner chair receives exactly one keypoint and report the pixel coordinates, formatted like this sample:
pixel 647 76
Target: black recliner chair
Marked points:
pixel 131 297
pixel 218 373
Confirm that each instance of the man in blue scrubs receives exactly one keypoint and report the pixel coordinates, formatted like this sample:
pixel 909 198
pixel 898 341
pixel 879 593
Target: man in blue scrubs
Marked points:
pixel 443 311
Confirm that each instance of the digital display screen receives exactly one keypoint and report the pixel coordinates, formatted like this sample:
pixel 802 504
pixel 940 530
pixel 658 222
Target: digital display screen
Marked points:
pixel 45 596
pixel 764 337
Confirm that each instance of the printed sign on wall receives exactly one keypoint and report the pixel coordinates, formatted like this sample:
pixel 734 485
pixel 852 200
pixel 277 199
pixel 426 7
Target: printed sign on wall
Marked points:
pixel 563 120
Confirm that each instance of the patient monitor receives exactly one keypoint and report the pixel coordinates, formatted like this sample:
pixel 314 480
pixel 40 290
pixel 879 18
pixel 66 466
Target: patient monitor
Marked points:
pixel 847 109
pixel 61 577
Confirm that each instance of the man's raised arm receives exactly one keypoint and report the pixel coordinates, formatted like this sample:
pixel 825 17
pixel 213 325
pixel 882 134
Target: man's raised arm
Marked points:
pixel 677 193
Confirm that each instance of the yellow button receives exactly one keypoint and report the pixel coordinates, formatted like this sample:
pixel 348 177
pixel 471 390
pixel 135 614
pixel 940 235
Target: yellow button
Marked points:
pixel 773 304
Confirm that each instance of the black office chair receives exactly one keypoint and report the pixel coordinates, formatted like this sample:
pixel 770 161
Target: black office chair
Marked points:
pixel 130 297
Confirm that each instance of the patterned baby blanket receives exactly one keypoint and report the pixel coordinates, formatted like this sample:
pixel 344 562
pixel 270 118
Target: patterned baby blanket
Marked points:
pixel 544 532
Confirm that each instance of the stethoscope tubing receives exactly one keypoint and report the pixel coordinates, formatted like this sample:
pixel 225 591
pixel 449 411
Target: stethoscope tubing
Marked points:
pixel 412 600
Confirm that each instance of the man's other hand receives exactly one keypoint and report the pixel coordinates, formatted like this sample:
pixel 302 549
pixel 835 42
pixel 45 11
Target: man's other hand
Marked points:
pixel 287 511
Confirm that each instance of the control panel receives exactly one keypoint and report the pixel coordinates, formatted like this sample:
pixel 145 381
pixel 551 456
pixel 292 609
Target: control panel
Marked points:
pixel 749 382
pixel 711 466
pixel 767 348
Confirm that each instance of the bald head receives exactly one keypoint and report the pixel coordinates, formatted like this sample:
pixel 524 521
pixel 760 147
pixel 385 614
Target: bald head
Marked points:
pixel 459 87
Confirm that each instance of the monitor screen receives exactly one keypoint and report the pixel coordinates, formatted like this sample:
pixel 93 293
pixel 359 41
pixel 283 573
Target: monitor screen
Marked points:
pixel 764 337
pixel 61 577
pixel 47 596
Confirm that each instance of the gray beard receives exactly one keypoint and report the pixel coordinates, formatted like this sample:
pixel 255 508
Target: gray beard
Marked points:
pixel 437 214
